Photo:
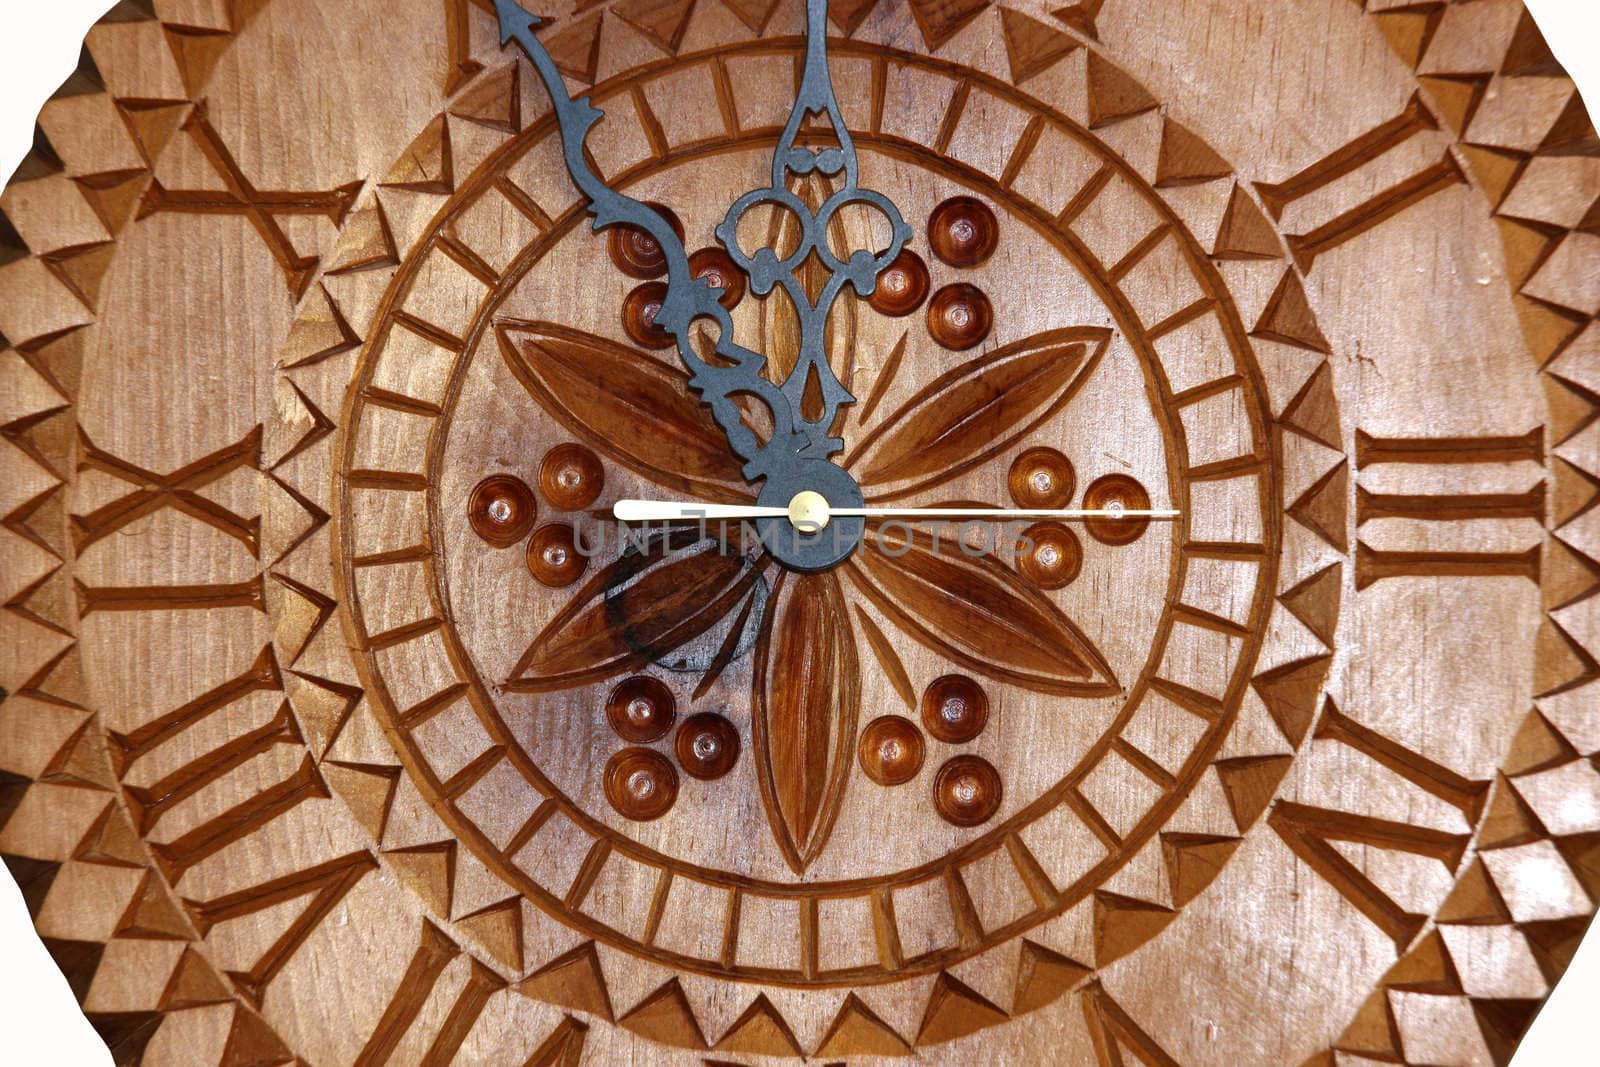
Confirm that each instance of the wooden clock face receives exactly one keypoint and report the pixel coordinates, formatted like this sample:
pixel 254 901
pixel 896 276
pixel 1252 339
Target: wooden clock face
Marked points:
pixel 343 724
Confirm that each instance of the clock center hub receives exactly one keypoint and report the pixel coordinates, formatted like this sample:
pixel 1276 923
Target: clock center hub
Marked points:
pixel 810 536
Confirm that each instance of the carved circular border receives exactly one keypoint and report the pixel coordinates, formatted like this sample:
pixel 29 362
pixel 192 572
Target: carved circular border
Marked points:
pixel 1220 710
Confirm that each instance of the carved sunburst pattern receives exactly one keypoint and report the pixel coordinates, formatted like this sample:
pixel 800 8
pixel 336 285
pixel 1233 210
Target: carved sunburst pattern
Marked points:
pixel 320 742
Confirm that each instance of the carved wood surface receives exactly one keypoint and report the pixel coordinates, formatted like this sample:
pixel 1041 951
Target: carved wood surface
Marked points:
pixel 324 740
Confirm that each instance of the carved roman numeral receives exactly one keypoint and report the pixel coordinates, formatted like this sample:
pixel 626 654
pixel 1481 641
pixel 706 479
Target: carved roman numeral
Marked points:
pixel 241 820
pixel 1308 831
pixel 1466 795
pixel 1372 145
pixel 1374 565
pixel 250 593
pixel 261 207
pixel 178 491
pixel 433 955
pixel 326 884
pixel 150 802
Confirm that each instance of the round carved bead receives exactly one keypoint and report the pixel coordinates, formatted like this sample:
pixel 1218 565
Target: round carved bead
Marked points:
pixel 707 746
pixel 1056 557
pixel 960 316
pixel 891 750
pixel 641 709
pixel 1041 478
pixel 966 791
pixel 640 784
pixel 954 709
pixel 720 271
pixel 1116 492
pixel 639 310
pixel 902 287
pixel 553 556
pixel 963 231
pixel 501 509
pixel 571 477
pixel 635 252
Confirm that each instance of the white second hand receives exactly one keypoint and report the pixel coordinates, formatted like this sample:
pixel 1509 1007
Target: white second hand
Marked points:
pixel 663 511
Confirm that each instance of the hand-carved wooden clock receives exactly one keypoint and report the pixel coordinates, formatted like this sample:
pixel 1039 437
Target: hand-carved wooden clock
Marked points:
pixel 724 531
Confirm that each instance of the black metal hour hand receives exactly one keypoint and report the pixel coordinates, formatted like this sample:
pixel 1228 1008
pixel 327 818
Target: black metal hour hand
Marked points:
pixel 795 457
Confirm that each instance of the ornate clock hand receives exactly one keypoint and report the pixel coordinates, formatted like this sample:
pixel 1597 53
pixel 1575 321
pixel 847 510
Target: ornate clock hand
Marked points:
pixel 862 267
pixel 688 299
pixel 795 457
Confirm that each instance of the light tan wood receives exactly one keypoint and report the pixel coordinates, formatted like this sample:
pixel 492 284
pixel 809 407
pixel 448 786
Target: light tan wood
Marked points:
pixel 318 745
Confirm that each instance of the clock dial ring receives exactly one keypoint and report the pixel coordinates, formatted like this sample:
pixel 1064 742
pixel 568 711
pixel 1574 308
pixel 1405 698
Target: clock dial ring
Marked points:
pixel 1065 242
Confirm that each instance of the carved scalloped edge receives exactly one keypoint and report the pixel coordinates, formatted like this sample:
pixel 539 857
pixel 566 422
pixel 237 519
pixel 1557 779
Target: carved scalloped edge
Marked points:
pixel 1542 311
pixel 89 160
pixel 1561 339
pixel 105 173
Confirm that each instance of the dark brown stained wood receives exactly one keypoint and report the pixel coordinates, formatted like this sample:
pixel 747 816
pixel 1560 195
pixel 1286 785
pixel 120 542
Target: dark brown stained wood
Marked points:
pixel 643 605
pixel 808 698
pixel 624 403
pixel 977 410
pixel 977 612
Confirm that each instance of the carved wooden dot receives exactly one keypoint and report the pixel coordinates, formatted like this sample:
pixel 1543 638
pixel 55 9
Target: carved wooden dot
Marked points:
pixel 967 791
pixel 641 709
pixel 640 784
pixel 501 509
pixel 955 708
pixel 960 316
pixel 720 272
pixel 902 287
pixel 639 309
pixel 891 750
pixel 1116 492
pixel 1041 478
pixel 635 252
pixel 571 477
pixel 1055 558
pixel 707 746
pixel 963 231
pixel 553 556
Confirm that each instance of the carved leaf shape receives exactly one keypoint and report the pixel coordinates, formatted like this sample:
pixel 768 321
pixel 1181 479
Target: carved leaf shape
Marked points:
pixel 978 612
pixel 639 608
pixel 807 702
pixel 625 404
pixel 976 411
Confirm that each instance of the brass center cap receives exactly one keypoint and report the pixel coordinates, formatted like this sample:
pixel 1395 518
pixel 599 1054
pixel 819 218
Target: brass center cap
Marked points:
pixel 808 511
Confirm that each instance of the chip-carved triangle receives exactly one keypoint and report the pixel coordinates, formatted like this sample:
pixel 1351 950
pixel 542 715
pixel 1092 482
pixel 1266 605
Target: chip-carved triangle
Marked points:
pixel 573 980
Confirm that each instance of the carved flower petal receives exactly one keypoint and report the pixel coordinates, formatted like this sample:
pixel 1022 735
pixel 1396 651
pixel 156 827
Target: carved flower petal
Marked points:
pixel 807 701
pixel 625 404
pixel 980 613
pixel 975 411
pixel 638 609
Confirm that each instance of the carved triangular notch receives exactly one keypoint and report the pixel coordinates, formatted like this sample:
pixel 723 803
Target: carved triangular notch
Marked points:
pixel 940 20
pixel 573 980
pixel 1032 47
pixel 663 22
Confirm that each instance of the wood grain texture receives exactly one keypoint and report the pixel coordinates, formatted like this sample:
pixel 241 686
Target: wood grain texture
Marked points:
pixel 310 753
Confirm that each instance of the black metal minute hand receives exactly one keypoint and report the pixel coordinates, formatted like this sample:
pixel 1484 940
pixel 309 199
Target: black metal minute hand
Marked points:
pixel 688 298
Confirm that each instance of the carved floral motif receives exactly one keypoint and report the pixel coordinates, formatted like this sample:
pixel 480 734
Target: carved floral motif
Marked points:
pixel 975 611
